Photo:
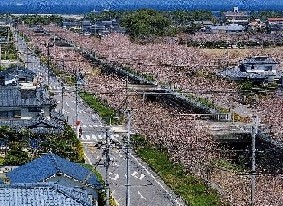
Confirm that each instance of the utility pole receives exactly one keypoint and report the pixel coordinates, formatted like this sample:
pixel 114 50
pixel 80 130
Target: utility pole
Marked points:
pixel 63 90
pixel 128 159
pixel 48 63
pixel 48 45
pixel 253 172
pixel 106 164
pixel 77 122
pixel 27 57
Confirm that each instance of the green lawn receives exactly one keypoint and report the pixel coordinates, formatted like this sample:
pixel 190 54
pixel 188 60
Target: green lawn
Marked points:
pixel 192 189
pixel 103 110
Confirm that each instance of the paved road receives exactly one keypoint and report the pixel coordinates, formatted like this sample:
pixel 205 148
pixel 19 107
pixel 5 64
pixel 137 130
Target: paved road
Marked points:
pixel 145 187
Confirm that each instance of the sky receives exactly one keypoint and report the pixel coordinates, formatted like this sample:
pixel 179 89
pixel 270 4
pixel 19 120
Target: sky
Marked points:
pixel 147 2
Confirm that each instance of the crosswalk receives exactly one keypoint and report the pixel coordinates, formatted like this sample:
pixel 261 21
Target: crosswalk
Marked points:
pixel 96 137
pixel 51 87
pixel 90 126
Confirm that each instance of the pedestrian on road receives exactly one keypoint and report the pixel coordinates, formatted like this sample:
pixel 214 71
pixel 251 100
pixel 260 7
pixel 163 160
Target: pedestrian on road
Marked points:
pixel 80 132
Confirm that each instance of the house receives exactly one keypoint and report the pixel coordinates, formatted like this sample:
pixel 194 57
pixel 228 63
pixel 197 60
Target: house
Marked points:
pixel 236 17
pixel 275 24
pixel 40 125
pixel 51 168
pixel 24 102
pixel 231 28
pixel 258 68
pixel 71 24
pixel 43 194
pixel 101 27
pixel 272 21
pixel 44 125
pixel 38 29
pixel 259 64
pixel 85 25
pixel 14 75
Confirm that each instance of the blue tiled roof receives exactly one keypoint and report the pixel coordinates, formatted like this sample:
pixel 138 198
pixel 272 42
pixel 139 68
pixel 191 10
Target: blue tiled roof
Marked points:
pixel 48 165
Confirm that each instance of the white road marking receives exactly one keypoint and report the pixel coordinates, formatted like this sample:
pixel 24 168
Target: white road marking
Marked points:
pixel 93 136
pixel 154 178
pixel 115 178
pixel 135 174
pixel 142 176
pixel 142 197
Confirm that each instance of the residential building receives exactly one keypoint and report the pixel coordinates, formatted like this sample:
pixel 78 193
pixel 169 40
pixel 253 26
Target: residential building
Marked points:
pixel 11 76
pixel 231 28
pixel 272 21
pixel 43 194
pixel 102 27
pixel 259 64
pixel 24 102
pixel 258 68
pixel 71 24
pixel 274 24
pixel 51 168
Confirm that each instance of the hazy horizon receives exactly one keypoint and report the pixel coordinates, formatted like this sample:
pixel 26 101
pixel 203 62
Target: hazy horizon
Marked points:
pixel 82 6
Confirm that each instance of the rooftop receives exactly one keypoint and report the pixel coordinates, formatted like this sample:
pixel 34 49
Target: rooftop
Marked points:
pixel 275 19
pixel 49 165
pixel 11 96
pixel 20 71
pixel 44 194
pixel 39 125
pixel 235 74
pixel 230 27
pixel 259 60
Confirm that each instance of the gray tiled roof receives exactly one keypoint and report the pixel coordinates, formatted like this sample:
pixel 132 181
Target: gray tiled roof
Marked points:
pixel 259 60
pixel 11 97
pixel 44 194
pixel 37 125
pixel 235 74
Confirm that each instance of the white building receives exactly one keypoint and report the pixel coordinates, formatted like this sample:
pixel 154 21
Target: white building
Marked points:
pixel 259 64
